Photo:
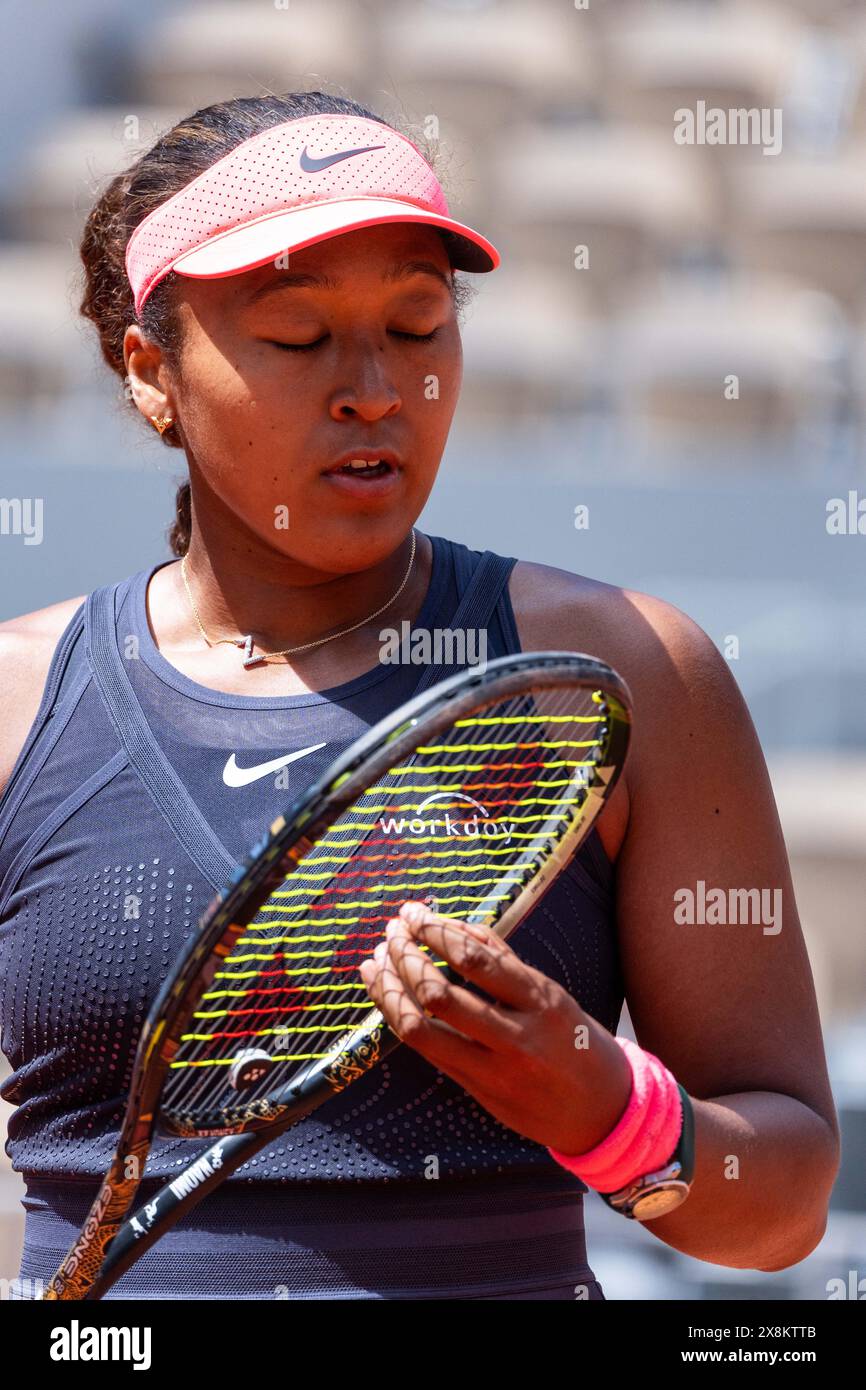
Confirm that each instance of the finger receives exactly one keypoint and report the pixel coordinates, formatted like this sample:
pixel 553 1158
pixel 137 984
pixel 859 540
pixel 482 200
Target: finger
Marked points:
pixel 386 988
pixel 477 954
pixel 432 1038
pixel 477 1018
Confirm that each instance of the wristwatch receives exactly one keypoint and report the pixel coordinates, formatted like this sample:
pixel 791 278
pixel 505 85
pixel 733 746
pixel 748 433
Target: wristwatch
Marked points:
pixel 655 1194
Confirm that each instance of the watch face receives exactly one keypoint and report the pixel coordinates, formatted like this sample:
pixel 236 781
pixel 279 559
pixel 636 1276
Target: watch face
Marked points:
pixel 659 1201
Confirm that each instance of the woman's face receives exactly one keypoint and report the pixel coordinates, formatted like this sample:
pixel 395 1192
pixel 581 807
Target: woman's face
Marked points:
pixel 284 372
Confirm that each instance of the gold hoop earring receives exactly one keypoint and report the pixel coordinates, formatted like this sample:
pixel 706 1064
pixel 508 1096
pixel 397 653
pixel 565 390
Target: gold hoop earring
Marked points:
pixel 162 422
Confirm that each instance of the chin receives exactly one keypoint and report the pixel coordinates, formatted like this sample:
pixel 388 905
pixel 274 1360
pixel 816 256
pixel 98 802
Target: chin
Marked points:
pixel 344 545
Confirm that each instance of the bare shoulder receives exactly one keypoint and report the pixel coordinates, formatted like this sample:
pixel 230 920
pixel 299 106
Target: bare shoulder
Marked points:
pixel 673 669
pixel 27 645
pixel 555 609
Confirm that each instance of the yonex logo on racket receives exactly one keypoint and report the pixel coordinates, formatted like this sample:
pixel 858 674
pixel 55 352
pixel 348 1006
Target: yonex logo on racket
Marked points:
pixel 474 823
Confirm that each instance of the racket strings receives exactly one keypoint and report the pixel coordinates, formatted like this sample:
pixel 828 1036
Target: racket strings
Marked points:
pixel 462 824
pixel 286 1008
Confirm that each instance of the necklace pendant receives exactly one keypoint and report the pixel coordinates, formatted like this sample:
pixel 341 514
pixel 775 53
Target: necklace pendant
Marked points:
pixel 250 658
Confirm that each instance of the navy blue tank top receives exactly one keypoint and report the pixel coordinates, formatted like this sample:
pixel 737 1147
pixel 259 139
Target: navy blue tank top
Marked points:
pixel 126 811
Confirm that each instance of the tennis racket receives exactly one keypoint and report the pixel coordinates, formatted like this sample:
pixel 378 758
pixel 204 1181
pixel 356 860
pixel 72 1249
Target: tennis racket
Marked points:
pixel 471 797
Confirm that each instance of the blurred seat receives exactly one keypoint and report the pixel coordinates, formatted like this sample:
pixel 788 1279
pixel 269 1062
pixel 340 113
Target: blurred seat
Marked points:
pixel 675 346
pixel 820 93
pixel 210 53
pixel 527 349
pixel 853 32
pixel 849 1192
pixel 825 819
pixel 41 351
pixel 64 170
pixel 485 66
pixel 623 192
pixel 858 377
pixel 805 218
pixel 672 55
pixel 829 12
pixel 827 860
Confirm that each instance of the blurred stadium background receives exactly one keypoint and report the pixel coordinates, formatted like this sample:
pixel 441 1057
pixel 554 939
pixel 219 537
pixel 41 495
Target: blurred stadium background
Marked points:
pixel 600 387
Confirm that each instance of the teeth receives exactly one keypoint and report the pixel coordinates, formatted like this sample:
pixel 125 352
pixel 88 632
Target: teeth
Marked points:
pixel 360 464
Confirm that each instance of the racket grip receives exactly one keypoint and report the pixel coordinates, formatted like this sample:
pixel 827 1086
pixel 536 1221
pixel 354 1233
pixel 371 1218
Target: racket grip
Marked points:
pixel 139 1232
pixel 73 1280
pixel 152 1219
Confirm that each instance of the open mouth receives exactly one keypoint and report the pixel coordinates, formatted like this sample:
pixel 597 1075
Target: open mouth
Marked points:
pixel 366 468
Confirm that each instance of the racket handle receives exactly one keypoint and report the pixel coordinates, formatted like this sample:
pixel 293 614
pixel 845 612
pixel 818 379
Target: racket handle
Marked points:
pixel 73 1279
pixel 151 1221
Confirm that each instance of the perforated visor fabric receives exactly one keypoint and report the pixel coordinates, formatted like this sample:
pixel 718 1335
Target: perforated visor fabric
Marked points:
pixel 290 186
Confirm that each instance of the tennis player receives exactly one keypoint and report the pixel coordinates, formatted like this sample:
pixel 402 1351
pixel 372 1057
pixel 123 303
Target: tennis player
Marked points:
pixel 279 283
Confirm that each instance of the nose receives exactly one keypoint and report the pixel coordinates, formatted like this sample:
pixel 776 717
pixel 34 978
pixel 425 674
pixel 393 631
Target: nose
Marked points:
pixel 368 387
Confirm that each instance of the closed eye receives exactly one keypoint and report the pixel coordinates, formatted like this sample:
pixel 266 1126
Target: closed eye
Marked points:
pixel 417 337
pixel 309 347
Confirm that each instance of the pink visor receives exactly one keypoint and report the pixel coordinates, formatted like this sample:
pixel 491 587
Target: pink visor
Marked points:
pixel 289 187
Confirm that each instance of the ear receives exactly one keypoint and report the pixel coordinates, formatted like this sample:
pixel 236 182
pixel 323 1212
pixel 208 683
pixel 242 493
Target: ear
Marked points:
pixel 144 362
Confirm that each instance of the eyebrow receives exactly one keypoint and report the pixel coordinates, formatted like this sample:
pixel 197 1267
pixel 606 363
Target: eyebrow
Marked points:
pixel 296 279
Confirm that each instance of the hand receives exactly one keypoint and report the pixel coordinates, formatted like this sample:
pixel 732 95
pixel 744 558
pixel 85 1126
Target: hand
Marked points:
pixel 531 1056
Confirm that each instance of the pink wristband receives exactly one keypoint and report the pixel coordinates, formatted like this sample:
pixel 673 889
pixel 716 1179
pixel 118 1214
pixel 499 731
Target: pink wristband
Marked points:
pixel 646 1135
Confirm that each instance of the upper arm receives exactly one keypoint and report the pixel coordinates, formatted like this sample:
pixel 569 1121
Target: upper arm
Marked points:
pixel 729 1005
pixel 26 647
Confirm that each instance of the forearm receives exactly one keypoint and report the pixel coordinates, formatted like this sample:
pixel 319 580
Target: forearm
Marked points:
pixel 764 1167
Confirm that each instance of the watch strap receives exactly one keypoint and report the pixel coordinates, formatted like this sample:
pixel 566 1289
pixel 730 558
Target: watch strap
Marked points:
pixel 638 1191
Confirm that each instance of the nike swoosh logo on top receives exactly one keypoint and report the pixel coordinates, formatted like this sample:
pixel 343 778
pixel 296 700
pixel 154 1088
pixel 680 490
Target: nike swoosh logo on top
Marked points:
pixel 311 165
pixel 235 776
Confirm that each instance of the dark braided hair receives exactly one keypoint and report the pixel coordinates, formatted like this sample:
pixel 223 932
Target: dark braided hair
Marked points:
pixel 177 157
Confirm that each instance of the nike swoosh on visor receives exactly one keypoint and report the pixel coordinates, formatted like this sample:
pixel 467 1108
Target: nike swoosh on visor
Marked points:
pixel 311 165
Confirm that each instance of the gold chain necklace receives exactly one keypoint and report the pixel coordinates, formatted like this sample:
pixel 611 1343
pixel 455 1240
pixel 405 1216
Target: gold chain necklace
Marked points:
pixel 252 658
